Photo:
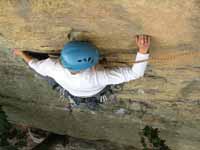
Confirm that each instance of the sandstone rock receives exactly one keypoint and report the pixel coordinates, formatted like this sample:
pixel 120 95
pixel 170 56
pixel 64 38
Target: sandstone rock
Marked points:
pixel 167 97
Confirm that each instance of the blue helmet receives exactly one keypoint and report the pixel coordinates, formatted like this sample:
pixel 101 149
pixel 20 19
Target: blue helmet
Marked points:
pixel 77 55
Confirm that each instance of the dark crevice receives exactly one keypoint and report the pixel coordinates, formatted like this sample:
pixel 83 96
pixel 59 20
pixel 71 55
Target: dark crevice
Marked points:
pixel 41 56
pixel 52 140
pixel 1 34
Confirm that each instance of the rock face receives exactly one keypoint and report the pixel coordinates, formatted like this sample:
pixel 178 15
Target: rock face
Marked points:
pixel 167 97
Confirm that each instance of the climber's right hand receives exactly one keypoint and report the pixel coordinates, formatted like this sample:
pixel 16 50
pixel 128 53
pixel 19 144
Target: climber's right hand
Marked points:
pixel 143 43
pixel 26 57
pixel 17 52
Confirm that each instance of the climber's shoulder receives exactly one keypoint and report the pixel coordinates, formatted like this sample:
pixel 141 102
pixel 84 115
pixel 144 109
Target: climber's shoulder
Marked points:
pixel 52 62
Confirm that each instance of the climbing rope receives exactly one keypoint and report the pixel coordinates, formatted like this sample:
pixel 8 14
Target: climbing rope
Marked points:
pixel 110 60
pixel 168 58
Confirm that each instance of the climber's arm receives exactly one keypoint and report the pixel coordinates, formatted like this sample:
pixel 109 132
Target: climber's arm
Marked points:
pixel 125 74
pixel 122 74
pixel 44 67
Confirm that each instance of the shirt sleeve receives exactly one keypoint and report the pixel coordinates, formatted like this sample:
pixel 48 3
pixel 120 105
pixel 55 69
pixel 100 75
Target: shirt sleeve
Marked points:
pixel 123 74
pixel 43 67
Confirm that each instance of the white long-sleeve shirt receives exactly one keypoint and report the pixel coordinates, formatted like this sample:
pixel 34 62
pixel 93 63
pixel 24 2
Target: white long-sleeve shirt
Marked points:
pixel 88 82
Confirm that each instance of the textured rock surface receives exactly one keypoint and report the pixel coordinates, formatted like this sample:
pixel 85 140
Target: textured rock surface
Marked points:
pixel 167 97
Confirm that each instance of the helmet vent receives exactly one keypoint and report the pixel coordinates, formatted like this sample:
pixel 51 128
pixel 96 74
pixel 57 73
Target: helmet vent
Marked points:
pixel 92 61
pixel 86 60
pixel 89 59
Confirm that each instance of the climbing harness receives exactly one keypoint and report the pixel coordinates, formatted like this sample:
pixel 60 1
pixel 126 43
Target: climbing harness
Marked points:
pixel 91 102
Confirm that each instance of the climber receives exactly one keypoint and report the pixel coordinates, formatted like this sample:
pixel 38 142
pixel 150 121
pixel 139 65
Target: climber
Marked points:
pixel 76 73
